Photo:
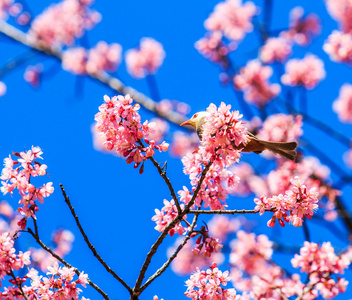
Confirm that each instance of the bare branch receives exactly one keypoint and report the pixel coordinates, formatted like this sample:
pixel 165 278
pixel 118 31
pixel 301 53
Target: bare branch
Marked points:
pixel 90 246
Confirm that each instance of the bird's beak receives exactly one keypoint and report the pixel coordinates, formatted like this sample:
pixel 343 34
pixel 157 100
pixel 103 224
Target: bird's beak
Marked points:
pixel 188 122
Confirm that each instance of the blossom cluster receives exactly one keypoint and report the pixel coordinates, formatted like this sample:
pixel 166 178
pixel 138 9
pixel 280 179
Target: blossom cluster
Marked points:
pixel 275 49
pixel 320 263
pixel 253 80
pixel 281 128
pixel 213 48
pixel 298 202
pixel 204 285
pixel 339 47
pixel 306 72
pixel 146 59
pixel 206 244
pixel 232 18
pixel 165 106
pixel 302 28
pixel 224 134
pixel 61 23
pixel 166 215
pixel 32 75
pixel 341 11
pixel 9 219
pixel 103 57
pixel 119 122
pixel 19 177
pixel 343 104
pixel 14 9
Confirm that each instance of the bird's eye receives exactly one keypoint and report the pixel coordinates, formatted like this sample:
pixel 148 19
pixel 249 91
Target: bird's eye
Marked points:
pixel 195 116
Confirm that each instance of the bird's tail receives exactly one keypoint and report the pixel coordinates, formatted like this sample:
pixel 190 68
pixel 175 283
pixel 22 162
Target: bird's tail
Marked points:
pixel 284 149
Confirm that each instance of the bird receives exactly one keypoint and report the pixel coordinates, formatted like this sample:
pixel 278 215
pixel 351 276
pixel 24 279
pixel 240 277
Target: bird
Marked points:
pixel 254 144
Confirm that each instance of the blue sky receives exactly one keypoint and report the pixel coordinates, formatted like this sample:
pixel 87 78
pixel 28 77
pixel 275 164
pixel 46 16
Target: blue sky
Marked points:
pixel 115 203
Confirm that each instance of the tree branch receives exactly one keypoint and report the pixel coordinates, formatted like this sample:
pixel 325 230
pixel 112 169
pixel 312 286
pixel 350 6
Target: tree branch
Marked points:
pixel 90 246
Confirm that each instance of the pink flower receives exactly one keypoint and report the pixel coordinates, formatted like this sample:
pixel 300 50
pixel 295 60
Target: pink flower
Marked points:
pixel 120 124
pixel 146 59
pixel 275 49
pixel 347 157
pixel 343 104
pixel 253 81
pixel 32 75
pixel 62 23
pixel 220 226
pixel 302 29
pixel 74 60
pixel 293 206
pixel 307 72
pixel 339 47
pixel 281 128
pixel 341 11
pixel 232 18
pixel 2 89
pixel 183 143
pixel 104 57
pixel 208 284
pixel 213 48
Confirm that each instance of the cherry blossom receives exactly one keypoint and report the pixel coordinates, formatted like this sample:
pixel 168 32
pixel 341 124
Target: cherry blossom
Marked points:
pixel 120 124
pixel 61 23
pixel 275 49
pixel 209 284
pixel 220 226
pixel 206 244
pixel 281 128
pixel 213 48
pixel 20 178
pixel 232 18
pixel 339 47
pixel 32 75
pixel 307 72
pixel 253 81
pixel 183 143
pixel 302 28
pixel 343 104
pixel 293 206
pixel 348 158
pixel 341 11
pixel 146 59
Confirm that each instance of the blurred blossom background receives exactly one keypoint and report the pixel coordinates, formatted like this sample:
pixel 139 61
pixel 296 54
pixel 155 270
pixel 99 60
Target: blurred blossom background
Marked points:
pixel 52 106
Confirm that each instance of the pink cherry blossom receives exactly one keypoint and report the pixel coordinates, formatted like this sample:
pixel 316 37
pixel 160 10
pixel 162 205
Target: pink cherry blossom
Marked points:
pixel 302 28
pixel 204 285
pixel 213 48
pixel 19 178
pixel 62 23
pixel 74 60
pixel 245 173
pixel 165 216
pixel 306 72
pixel 253 80
pixel 339 47
pixel 160 128
pixel 146 59
pixel 281 128
pixel 293 206
pixel 120 124
pixel 32 75
pixel 275 49
pixel 104 57
pixel 2 89
pixel 232 18
pixel 207 245
pixel 343 104
pixel 341 11
pixel 347 157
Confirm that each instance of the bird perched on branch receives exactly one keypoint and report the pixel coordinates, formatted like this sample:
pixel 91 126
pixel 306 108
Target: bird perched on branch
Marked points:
pixel 284 149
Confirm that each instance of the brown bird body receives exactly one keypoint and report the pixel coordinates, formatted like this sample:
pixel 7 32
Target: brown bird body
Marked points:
pixel 254 144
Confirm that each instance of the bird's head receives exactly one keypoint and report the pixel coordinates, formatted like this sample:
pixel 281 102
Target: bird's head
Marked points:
pixel 197 118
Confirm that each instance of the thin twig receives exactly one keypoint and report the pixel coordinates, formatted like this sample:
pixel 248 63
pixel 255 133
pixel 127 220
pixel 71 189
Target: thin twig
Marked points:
pixel 160 239
pixel 168 182
pixel 223 212
pixel 60 259
pixel 90 246
pixel 171 258
pixel 19 284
